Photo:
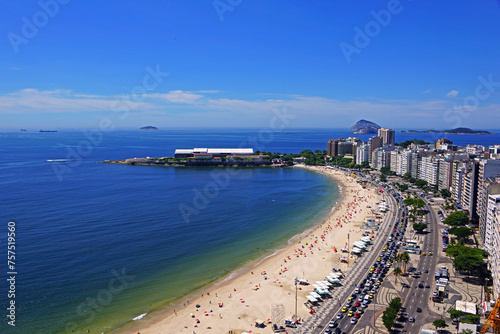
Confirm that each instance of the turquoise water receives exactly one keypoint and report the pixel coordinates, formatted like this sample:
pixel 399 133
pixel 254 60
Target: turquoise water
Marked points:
pixel 107 243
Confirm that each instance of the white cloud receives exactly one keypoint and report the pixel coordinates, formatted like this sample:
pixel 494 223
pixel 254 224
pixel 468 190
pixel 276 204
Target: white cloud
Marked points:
pixel 178 96
pixel 33 101
pixel 452 93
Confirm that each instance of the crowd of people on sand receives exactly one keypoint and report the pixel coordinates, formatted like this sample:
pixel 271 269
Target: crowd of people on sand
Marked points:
pixel 352 208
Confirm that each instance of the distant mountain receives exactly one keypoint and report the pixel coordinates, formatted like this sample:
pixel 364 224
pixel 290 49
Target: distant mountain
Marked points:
pixel 149 128
pixel 365 127
pixel 456 131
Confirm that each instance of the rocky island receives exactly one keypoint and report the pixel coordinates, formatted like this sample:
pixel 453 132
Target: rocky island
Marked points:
pixel 365 127
pixel 456 131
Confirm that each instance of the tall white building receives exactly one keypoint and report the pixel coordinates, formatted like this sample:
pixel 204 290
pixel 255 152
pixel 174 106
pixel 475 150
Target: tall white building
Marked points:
pixel 494 240
pixel 493 203
pixel 428 170
pixel 362 153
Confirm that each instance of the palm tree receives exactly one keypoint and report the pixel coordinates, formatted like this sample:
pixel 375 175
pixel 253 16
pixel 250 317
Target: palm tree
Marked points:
pixel 405 258
pixel 397 272
pixel 397 259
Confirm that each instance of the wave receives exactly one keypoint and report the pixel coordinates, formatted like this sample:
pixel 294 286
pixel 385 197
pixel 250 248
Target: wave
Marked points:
pixel 140 316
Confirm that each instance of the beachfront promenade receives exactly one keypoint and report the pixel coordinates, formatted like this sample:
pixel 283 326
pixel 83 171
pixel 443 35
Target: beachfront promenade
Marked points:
pixel 317 322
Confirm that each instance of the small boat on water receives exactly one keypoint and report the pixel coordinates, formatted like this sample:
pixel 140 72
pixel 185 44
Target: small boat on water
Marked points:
pixel 139 317
pixel 48 131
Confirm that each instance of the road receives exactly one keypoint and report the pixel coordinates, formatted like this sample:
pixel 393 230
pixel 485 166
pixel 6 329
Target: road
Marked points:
pixel 412 297
pixel 330 308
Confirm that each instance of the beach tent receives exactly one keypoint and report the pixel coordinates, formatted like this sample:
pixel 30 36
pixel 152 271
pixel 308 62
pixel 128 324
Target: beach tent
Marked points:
pixel 336 275
pixel 356 250
pixel 311 299
pixel 366 239
pixel 315 295
pixel 326 283
pixel 322 292
pixel 360 246
pixel 333 280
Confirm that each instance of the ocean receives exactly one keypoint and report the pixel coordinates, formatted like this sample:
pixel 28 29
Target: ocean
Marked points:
pixel 98 245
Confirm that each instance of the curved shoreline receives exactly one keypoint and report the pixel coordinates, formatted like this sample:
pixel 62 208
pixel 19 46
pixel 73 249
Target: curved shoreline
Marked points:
pixel 168 317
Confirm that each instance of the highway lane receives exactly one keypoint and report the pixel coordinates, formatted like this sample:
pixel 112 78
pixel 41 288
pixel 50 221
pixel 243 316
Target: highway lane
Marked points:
pixel 417 297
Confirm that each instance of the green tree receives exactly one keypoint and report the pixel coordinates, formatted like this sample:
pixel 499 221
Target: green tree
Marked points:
pixel 405 258
pixel 439 323
pixel 455 250
pixel 421 183
pixel 468 262
pixel 471 319
pixel 419 227
pixel 461 232
pixel 391 312
pixel 454 313
pixel 466 331
pixel 397 272
pixel 386 170
pixel 407 176
pixel 365 164
pixel 445 193
pixel 457 218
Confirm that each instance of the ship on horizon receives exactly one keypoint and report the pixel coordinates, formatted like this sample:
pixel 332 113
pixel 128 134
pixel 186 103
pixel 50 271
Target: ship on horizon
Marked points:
pixel 48 131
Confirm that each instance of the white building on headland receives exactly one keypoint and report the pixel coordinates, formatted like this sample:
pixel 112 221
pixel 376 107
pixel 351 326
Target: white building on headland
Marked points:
pixel 217 152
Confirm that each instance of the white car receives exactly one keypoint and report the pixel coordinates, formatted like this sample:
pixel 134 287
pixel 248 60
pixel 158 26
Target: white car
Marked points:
pixel 354 321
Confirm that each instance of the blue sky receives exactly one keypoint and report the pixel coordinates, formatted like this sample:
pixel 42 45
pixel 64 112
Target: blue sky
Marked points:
pixel 230 63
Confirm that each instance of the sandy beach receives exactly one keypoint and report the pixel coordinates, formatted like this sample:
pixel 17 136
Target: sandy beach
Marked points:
pixel 267 290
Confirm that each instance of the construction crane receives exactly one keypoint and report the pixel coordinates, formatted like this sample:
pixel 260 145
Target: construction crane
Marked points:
pixel 493 320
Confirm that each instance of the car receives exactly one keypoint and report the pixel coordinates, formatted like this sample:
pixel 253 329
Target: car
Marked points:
pixel 353 308
pixel 364 305
pixel 360 311
pixel 418 272
pixel 356 290
pixel 430 253
pixel 349 299
pixel 426 271
pixel 340 316
pixel 350 313
pixel 427 285
pixel 435 293
pixel 328 331
pixel 455 321
pixel 333 324
pixel 424 254
pixel 419 309
pixel 358 303
pixel 421 285
pixel 357 315
pixel 354 321
pixel 344 309
pixel 371 296
pixel 337 331
pixel 411 319
pixel 348 304
pixel 360 298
